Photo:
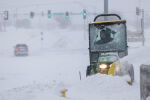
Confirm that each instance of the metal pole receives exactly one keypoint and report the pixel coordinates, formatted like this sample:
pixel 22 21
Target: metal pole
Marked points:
pixel 143 21
pixel 143 26
pixel 16 16
pixel 84 31
pixel 42 40
pixel 105 6
pixel 80 75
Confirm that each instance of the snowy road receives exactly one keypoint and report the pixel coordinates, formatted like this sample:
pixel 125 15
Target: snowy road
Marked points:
pixel 27 75
pixel 44 76
pixel 47 71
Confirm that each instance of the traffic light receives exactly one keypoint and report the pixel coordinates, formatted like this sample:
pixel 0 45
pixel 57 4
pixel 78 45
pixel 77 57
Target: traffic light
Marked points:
pixel 67 15
pixel 5 15
pixel 84 14
pixel 49 13
pixel 31 14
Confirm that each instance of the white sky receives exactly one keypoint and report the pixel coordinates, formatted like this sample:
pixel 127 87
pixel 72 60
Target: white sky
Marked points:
pixel 126 8
pixel 122 5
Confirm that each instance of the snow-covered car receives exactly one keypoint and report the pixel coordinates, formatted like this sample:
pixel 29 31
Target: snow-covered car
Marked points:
pixel 21 50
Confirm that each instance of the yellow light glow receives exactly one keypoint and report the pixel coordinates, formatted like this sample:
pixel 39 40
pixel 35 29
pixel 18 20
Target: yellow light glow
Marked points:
pixel 103 66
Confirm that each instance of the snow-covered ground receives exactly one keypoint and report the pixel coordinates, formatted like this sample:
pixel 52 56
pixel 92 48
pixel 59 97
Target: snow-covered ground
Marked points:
pixel 54 65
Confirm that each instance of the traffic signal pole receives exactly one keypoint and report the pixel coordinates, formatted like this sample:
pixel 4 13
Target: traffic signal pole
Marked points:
pixel 142 26
pixel 84 17
pixel 84 31
pixel 105 8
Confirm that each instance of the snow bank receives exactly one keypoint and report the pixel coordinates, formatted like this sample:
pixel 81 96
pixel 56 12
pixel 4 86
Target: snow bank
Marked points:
pixel 103 87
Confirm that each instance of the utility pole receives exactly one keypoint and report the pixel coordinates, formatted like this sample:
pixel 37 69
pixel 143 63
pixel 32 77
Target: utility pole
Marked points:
pixel 142 21
pixel 142 27
pixel 105 8
pixel 138 13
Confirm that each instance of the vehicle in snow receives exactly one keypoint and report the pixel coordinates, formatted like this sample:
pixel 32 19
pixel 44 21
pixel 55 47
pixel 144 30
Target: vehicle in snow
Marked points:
pixel 144 81
pixel 21 50
pixel 107 44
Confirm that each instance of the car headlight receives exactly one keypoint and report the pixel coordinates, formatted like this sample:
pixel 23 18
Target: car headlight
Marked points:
pixel 103 66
